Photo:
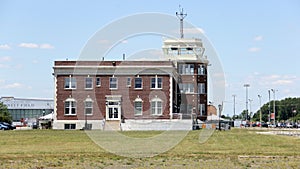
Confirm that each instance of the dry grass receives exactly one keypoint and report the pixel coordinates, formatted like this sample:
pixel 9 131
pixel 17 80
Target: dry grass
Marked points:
pixel 238 148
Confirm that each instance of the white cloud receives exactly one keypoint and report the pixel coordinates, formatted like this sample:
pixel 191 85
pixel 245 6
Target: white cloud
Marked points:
pixel 12 86
pixel 4 46
pixel 3 66
pixel 5 59
pixel 254 49
pixel 46 46
pixel 272 80
pixel 258 38
pixel 28 45
pixel 34 45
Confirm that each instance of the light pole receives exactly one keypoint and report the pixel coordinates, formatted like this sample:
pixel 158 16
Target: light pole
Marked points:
pixel 259 96
pixel 233 106
pixel 220 110
pixel 250 112
pixel 269 106
pixel 246 86
pixel 274 111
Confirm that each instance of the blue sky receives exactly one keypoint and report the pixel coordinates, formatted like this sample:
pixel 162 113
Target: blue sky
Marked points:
pixel 257 41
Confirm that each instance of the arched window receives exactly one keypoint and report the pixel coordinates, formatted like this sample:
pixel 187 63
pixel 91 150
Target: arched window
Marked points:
pixel 138 106
pixel 70 106
pixel 156 106
pixel 88 106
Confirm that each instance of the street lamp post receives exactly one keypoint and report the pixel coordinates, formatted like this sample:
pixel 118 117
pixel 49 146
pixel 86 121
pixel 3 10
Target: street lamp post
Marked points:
pixel 246 86
pixel 220 110
pixel 233 106
pixel 250 110
pixel 269 106
pixel 274 111
pixel 259 96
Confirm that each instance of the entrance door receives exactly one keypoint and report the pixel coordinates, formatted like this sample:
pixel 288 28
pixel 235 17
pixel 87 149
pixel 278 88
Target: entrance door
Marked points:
pixel 113 111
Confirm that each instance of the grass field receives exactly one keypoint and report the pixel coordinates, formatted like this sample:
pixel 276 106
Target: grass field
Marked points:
pixel 238 148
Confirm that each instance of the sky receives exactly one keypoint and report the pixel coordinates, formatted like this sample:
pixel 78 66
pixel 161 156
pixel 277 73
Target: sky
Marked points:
pixel 256 42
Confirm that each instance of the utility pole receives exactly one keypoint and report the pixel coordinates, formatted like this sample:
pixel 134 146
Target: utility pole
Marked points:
pixel 274 111
pixel 259 96
pixel 246 86
pixel 181 16
pixel 233 106
pixel 220 111
pixel 269 106
pixel 250 112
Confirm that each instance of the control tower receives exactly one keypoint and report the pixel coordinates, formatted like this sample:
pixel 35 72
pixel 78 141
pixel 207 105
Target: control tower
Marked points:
pixel 191 64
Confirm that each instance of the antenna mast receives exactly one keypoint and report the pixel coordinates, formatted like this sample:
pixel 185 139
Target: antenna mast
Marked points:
pixel 181 16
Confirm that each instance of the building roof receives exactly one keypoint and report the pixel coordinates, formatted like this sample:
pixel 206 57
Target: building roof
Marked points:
pixel 114 68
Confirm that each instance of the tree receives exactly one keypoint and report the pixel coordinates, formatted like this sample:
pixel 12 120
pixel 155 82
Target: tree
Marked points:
pixel 5 116
pixel 286 110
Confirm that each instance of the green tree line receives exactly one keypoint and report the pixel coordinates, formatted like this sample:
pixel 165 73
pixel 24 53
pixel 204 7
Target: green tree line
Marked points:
pixel 285 110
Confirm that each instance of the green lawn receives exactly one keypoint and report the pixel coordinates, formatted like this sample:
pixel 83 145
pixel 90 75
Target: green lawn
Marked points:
pixel 238 148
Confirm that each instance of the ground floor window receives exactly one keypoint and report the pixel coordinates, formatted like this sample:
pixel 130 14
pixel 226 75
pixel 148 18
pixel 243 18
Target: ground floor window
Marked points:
pixel 70 126
pixel 138 108
pixel 156 107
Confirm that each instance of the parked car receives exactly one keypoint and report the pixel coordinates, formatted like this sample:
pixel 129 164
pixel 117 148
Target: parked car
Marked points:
pixel 289 125
pixel 3 127
pixel 264 125
pixel 9 126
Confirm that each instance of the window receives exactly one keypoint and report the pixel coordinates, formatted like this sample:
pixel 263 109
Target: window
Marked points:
pixel 156 106
pixel 138 107
pixel 98 81
pixel 201 70
pixel 70 83
pixel 128 82
pixel 156 83
pixel 186 87
pixel 202 109
pixel 88 83
pixel 186 69
pixel 201 88
pixel 70 126
pixel 70 107
pixel 138 83
pixel 113 83
pixel 88 107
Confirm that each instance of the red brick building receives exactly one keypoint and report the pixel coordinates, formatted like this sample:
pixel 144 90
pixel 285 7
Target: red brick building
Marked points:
pixel 133 95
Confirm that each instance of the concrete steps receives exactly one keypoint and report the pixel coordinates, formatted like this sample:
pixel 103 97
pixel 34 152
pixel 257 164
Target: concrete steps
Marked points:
pixel 112 125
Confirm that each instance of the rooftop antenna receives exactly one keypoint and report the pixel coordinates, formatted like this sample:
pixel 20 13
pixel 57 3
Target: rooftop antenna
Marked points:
pixel 181 16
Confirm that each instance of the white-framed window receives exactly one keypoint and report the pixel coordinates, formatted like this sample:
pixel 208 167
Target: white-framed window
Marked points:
pixel 70 106
pixel 98 81
pixel 70 83
pixel 88 82
pixel 201 88
pixel 186 69
pixel 186 87
pixel 156 106
pixel 156 83
pixel 138 106
pixel 88 107
pixel 138 83
pixel 202 109
pixel 113 83
pixel 201 70
pixel 128 82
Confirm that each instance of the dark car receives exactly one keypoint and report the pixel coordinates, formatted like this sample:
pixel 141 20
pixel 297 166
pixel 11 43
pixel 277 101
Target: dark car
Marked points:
pixel 264 125
pixel 3 127
pixel 9 126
